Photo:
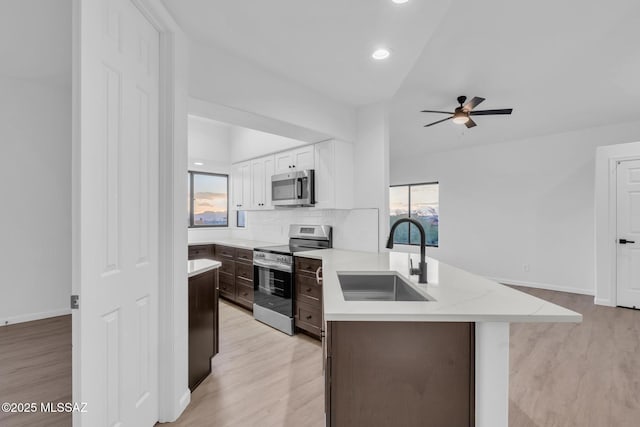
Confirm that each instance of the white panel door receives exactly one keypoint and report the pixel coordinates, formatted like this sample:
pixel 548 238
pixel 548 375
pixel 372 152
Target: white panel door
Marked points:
pixel 303 158
pixel 116 204
pixel 283 162
pixel 257 184
pixel 241 177
pixel 628 228
pixel 269 171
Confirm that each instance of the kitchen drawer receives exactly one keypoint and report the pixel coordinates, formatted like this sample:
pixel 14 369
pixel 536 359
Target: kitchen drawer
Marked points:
pixel 225 252
pixel 244 255
pixel 244 293
pixel 200 251
pixel 227 285
pixel 244 271
pixel 228 266
pixel 307 290
pixel 308 318
pixel 307 266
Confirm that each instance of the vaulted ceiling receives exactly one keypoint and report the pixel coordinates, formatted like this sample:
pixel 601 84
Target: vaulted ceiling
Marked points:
pixel 562 65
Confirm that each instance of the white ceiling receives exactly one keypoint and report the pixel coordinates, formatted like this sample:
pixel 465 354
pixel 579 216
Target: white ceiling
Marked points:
pixel 324 44
pixel 35 40
pixel 562 65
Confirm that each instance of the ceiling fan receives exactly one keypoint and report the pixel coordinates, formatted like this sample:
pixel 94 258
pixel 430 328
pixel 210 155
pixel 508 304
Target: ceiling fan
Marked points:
pixel 461 115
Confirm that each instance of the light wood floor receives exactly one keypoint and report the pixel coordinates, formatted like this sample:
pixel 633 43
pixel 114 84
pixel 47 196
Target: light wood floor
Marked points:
pixel 35 366
pixel 562 375
pixel 582 375
pixel 261 377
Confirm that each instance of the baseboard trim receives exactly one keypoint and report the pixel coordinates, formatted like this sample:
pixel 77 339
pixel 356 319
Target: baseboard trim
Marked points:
pixel 29 317
pixel 184 402
pixel 543 286
pixel 602 301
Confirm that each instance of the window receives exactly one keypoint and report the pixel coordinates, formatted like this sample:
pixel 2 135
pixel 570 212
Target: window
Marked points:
pixel 417 201
pixel 208 200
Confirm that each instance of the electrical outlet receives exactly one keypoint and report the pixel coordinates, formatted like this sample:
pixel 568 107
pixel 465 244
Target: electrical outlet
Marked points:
pixel 525 268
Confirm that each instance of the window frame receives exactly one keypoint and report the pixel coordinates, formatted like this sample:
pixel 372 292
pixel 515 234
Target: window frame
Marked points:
pixel 409 212
pixel 192 199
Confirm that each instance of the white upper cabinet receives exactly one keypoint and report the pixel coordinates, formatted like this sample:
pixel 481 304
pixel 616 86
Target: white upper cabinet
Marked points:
pixel 333 175
pixel 241 179
pixel 261 171
pixel 297 159
pixel 333 164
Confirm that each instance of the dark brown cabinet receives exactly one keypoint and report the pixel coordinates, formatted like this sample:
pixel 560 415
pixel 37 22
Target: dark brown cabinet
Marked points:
pixel 405 373
pixel 308 294
pixel 236 274
pixel 200 251
pixel 203 325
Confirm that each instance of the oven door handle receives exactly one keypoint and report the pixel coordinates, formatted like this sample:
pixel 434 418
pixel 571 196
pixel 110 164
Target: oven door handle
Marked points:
pixel 272 266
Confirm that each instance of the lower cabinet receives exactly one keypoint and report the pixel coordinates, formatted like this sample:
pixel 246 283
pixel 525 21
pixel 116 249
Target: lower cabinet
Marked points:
pixel 236 274
pixel 410 374
pixel 203 325
pixel 308 296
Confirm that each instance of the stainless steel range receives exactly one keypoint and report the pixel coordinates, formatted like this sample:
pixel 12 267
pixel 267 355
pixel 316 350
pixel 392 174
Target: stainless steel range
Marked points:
pixel 273 273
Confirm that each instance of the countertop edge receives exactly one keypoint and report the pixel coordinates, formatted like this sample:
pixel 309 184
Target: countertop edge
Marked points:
pixel 207 265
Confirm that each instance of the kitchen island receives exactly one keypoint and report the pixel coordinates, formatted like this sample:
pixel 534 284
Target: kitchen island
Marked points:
pixel 462 309
pixel 203 318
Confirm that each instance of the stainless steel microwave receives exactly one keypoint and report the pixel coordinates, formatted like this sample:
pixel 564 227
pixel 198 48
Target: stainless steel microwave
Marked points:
pixel 293 188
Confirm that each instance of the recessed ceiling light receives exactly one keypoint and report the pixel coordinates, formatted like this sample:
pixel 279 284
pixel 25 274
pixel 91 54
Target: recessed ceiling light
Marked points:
pixel 400 1
pixel 198 163
pixel 380 54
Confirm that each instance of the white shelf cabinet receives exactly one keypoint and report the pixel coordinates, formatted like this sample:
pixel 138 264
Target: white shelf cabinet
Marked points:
pixel 333 164
pixel 261 171
pixel 241 178
pixel 296 159
pixel 334 175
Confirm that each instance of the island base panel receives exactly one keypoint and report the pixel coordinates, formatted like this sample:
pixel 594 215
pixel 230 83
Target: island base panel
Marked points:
pixel 400 373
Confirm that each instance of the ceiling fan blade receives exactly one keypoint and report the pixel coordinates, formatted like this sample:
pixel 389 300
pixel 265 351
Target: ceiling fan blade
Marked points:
pixel 472 104
pixel 490 112
pixel 470 123
pixel 439 121
pixel 436 111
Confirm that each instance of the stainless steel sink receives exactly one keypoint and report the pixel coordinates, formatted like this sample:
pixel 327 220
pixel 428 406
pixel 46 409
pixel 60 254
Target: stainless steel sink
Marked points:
pixel 377 286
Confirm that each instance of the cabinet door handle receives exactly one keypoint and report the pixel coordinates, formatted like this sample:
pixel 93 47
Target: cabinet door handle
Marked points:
pixel 309 317
pixel 319 275
pixel 308 289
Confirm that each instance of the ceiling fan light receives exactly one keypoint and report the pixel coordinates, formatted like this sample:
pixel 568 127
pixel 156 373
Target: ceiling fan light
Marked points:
pixel 460 119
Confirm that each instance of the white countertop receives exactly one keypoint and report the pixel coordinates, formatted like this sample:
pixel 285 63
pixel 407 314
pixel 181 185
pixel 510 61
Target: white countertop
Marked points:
pixel 198 266
pixel 237 243
pixel 458 295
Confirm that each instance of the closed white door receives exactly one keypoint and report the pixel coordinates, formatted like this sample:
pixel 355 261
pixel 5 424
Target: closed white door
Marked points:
pixel 257 184
pixel 269 171
pixel 303 158
pixel 283 162
pixel 628 230
pixel 237 178
pixel 115 352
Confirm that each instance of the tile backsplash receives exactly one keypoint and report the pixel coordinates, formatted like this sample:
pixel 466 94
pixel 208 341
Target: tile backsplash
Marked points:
pixel 353 229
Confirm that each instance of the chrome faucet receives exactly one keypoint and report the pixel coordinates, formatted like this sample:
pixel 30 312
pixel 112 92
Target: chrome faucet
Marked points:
pixel 421 271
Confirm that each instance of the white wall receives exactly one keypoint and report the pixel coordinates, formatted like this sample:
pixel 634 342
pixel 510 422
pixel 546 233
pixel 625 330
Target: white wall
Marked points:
pixel 219 77
pixel 528 202
pixel 371 169
pixel 351 227
pixel 35 184
pixel 248 143
pixel 208 143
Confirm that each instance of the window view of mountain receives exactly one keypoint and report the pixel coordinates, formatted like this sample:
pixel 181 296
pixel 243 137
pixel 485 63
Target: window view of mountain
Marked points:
pixel 209 199
pixel 417 201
